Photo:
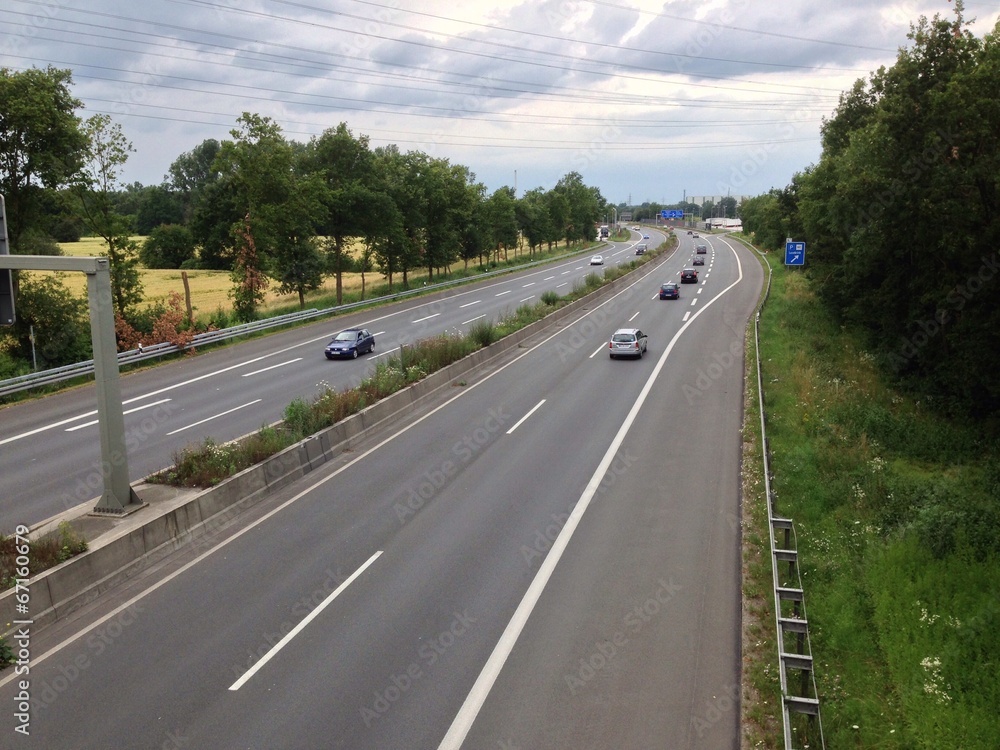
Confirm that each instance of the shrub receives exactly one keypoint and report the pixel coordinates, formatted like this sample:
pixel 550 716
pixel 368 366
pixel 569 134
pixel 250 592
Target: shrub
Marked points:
pixel 60 320
pixel 44 553
pixel 67 229
pixel 550 298
pixel 168 246
pixel 34 242
pixel 483 332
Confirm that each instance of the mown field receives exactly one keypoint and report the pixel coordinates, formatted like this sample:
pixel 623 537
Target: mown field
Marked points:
pixel 896 516
pixel 209 289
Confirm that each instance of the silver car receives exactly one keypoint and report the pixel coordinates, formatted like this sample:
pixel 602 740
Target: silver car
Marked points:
pixel 627 342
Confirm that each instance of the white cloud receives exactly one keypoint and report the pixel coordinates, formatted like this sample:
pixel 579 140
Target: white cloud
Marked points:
pixel 646 100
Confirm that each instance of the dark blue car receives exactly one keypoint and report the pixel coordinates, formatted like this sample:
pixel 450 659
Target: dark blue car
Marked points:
pixel 350 343
pixel 670 290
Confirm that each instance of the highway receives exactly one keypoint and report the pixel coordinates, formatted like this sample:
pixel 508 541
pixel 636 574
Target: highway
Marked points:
pixel 545 558
pixel 49 451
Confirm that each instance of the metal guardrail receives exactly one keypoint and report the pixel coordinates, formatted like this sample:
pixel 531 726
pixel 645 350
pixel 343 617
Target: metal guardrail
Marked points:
pixel 67 372
pixel 792 625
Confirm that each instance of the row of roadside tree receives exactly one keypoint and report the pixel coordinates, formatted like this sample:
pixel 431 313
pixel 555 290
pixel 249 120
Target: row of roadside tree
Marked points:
pixel 273 212
pixel 901 215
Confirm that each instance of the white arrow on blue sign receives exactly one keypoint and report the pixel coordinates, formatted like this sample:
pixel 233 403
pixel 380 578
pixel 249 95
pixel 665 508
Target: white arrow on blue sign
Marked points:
pixel 795 253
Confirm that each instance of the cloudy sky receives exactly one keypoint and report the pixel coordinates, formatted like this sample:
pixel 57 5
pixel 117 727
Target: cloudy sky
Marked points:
pixel 648 100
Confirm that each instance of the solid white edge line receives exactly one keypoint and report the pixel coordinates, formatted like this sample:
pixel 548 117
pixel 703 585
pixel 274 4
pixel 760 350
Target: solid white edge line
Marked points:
pixel 522 419
pixel 319 483
pixel 305 621
pixel 357 459
pixel 467 714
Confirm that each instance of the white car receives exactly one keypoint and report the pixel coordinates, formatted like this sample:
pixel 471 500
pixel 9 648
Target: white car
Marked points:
pixel 597 260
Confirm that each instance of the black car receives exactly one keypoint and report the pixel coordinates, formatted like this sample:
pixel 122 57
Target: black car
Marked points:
pixel 701 249
pixel 670 290
pixel 689 276
pixel 640 249
pixel 350 343
pixel 698 261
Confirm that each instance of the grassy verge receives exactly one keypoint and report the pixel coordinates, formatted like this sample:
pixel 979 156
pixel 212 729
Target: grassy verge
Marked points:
pixel 761 694
pixel 22 560
pixel 898 528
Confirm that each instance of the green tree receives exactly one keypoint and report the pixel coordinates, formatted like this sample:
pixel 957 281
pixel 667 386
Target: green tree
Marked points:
pixel 499 216
pixel 344 164
pixel 41 142
pixel 903 210
pixel 584 207
pixel 60 322
pixel 533 218
pixel 280 208
pixel 401 247
pixel 168 246
pixel 158 205
pixel 558 207
pixel 191 173
pixel 95 187
pixel 299 267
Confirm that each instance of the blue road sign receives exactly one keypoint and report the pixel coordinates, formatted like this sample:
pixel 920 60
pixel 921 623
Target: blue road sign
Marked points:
pixel 671 214
pixel 795 253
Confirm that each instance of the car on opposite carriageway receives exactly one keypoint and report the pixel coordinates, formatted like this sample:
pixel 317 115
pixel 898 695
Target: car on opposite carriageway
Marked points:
pixel 350 343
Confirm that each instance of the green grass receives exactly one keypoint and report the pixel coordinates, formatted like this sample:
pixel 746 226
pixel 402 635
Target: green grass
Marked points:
pixel 895 510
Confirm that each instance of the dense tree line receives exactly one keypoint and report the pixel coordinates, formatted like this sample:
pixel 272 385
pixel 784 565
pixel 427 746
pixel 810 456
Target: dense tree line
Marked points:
pixel 269 210
pixel 901 215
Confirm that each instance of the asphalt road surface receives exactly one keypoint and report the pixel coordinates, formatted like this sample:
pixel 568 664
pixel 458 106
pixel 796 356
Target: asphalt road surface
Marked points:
pixel 49 450
pixel 547 557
